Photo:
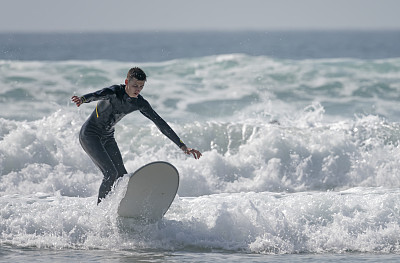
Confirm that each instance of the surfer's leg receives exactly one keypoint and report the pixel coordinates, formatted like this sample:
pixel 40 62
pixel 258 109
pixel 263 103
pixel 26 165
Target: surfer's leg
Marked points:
pixel 94 148
pixel 113 151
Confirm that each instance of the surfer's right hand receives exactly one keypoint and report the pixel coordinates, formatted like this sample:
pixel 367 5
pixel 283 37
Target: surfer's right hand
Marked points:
pixel 77 100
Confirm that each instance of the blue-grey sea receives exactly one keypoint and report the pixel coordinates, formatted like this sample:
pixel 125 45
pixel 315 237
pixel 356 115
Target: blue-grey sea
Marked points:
pixel 299 132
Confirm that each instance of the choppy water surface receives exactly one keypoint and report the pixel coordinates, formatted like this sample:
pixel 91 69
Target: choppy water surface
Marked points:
pixel 300 159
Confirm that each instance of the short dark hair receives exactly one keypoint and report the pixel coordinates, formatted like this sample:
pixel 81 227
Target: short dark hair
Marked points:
pixel 136 73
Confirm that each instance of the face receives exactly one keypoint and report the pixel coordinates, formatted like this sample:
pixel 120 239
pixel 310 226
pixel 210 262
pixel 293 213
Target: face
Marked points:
pixel 134 87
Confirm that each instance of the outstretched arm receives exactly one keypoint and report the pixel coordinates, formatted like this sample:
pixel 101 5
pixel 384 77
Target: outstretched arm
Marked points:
pixel 98 95
pixel 148 111
pixel 196 154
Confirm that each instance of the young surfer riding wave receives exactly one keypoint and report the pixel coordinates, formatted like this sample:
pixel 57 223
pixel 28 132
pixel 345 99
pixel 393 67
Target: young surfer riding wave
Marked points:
pixel 97 134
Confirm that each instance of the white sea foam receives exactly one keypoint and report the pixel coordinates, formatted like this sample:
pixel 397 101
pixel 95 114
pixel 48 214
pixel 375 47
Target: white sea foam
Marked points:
pixel 362 219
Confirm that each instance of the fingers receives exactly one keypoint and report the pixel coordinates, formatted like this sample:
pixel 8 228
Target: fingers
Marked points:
pixel 76 100
pixel 196 154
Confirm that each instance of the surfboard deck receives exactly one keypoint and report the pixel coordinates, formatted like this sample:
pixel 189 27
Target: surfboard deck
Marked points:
pixel 150 192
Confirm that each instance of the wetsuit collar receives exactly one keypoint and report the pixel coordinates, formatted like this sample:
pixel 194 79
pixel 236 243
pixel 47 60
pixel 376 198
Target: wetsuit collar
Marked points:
pixel 126 96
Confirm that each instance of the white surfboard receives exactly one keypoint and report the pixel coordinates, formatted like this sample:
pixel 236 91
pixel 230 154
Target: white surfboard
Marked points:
pixel 151 190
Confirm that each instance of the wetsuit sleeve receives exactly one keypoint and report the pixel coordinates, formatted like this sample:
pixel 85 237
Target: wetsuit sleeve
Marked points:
pixel 148 111
pixel 98 95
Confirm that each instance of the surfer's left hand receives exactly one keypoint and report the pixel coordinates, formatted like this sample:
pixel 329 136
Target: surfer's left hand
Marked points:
pixel 196 154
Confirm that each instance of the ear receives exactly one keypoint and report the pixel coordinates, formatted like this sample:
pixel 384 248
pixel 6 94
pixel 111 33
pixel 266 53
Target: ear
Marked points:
pixel 126 82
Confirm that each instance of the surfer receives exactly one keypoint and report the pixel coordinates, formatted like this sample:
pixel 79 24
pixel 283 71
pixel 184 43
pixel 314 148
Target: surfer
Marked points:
pixel 97 133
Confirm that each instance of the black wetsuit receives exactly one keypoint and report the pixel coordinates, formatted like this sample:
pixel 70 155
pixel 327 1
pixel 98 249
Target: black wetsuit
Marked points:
pixel 97 134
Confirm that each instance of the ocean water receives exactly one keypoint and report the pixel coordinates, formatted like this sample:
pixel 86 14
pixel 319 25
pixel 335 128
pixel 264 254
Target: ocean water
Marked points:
pixel 300 147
